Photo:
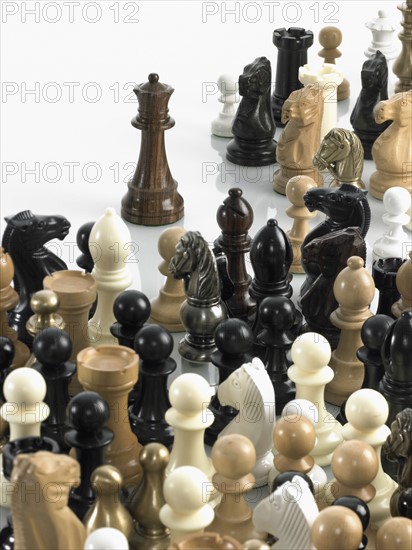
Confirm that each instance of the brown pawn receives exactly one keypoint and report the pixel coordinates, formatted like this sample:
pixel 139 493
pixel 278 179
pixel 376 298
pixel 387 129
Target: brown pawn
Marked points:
pixel 330 38
pixel 404 286
pixel 395 534
pixel 295 190
pixel 8 300
pixel 294 438
pixel 233 458
pixel 166 307
pixel 76 291
pixel 337 528
pixel 354 290
pixel 402 65
pixel 146 502
pixel 112 371
pixel 354 465
pixel 211 541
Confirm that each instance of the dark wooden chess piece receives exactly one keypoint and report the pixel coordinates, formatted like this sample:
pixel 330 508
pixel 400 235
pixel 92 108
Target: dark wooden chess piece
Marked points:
pixel 235 217
pixel 52 349
pixel 283 477
pixel 152 197
pixel 87 414
pixel 396 384
pixel 7 535
pixel 373 332
pixel 203 309
pixel 384 275
pixel 361 509
pixel 234 342
pixel 132 310
pixel 253 128
pixel 277 315
pixel 24 239
pixel 292 45
pixel 85 260
pixel 374 78
pixel 227 287
pixel 153 344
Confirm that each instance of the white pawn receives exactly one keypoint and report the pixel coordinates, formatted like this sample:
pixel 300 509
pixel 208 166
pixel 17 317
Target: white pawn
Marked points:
pixel 109 244
pixel 228 87
pixel 288 514
pixel 311 354
pixel 382 28
pixel 367 411
pixel 24 390
pixel 106 538
pixel 396 202
pixel 328 78
pixel 186 511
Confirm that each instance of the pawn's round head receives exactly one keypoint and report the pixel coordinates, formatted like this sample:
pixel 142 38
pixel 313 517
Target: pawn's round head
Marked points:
pixel 395 533
pixel 354 463
pixel 301 407
pixel 337 527
pixel 396 200
pixel 227 84
pixel 374 329
pixel 190 393
pixel 297 187
pixel 106 480
pixel 44 301
pixel 294 436
pixel 358 506
pixel 233 456
pixel 330 37
pixel 168 240
pixel 186 489
pixel 311 351
pixel 52 347
pixel 154 457
pixel 233 337
pixel 108 538
pixel 366 409
pixel 24 385
pixel 277 312
pixel 87 412
pixel 153 343
pixel 132 308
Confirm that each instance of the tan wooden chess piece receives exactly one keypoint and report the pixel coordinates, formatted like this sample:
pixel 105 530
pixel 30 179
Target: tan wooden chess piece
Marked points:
pixel 404 286
pixel 234 457
pixel 166 307
pixel 108 510
pixel 76 291
pixel 392 151
pixel 354 290
pixel 300 139
pixel 211 541
pixel 42 519
pixel 112 371
pixel 8 300
pixel 337 527
pixel 330 38
pixel 295 190
pixel 395 534
pixel 402 65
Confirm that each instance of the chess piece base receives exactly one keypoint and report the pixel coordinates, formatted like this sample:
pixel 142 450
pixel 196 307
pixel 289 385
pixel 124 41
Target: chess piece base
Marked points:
pixel 222 126
pixel 284 174
pixel 381 181
pixel 152 206
pixel 251 153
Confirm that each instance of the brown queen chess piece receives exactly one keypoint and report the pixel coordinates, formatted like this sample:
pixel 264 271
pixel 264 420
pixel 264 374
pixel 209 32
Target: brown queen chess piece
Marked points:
pixel 152 197
pixel 402 65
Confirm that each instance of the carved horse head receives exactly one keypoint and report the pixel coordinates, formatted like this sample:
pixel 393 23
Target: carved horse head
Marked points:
pixel 304 105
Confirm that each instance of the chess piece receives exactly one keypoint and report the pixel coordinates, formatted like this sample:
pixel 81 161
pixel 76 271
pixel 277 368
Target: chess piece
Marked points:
pixel 249 390
pixel 6 359
pixel 302 113
pixel 361 509
pixel 52 348
pixel 296 188
pixel 148 498
pixel 253 127
pixel 394 534
pixel 166 307
pixel 213 541
pixel 7 535
pixel 8 300
pixel 202 310
pixel 76 291
pixel 366 411
pixel 382 29
pixel 404 286
pixel 330 38
pixel 152 197
pixel 186 510
pixel 384 274
pixel 341 154
pixel 396 384
pixel 235 217
pixel 396 202
pixel 42 520
pixel 112 371
pixel 24 239
pixel 234 341
pixel 234 457
pixel 392 151
pixel 228 87
pixel 131 309
pixel 87 414
pixel 153 344
pixel 277 316
pixel 354 290
pixel 292 46
pixel 108 510
pixel 402 64
pixel 85 260
pixel 288 514
pixel 108 538
pixel 310 372
pixel 337 527
pixel 374 77
pixel 327 79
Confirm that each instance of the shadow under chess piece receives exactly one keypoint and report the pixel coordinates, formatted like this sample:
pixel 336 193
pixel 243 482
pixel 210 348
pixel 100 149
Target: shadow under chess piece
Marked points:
pixel 330 38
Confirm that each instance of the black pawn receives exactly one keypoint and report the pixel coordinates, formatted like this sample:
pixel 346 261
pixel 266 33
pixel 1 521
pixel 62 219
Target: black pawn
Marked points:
pixel 132 310
pixel 153 344
pixel 361 509
pixel 277 316
pixel 7 535
pixel 234 341
pixel 6 359
pixel 87 414
pixel 85 260
pixel 384 275
pixel 405 503
pixel 282 478
pixel 52 348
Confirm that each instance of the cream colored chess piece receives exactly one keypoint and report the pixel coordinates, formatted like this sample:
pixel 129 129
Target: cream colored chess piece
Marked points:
pixel 228 87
